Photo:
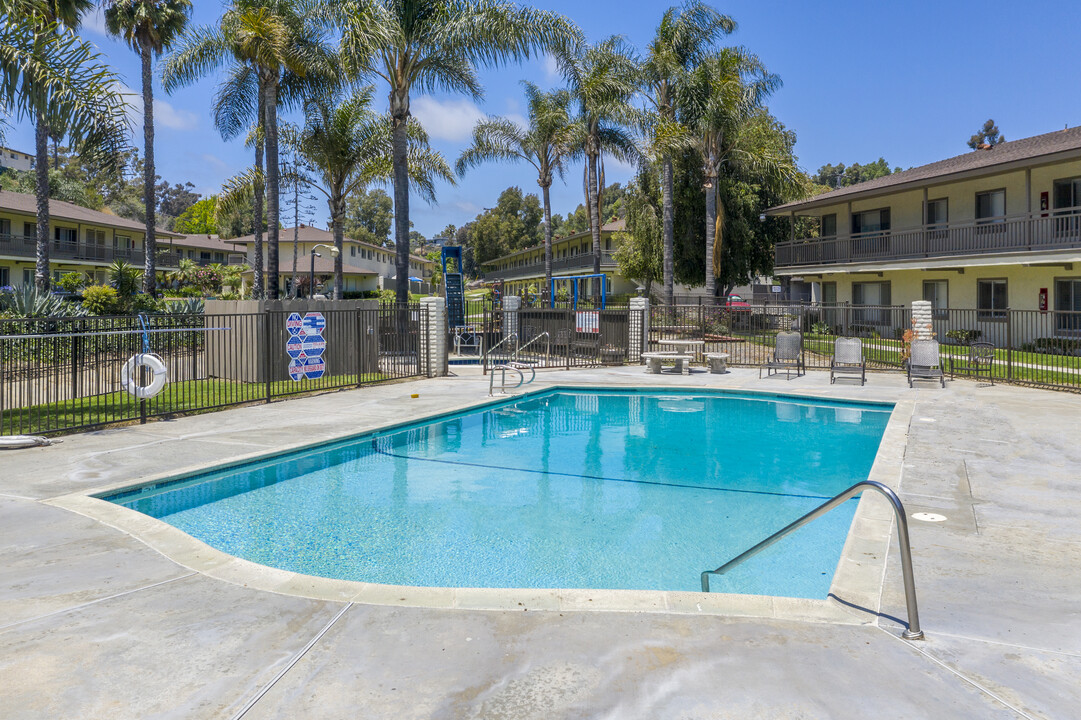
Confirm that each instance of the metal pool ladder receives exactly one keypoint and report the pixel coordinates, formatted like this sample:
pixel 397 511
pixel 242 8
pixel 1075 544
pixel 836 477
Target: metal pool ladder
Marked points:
pixel 515 367
pixel 913 632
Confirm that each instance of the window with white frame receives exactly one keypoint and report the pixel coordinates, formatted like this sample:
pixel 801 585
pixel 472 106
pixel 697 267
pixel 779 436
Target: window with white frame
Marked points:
pixel 1067 306
pixel 873 297
pixel 871 221
pixel 991 299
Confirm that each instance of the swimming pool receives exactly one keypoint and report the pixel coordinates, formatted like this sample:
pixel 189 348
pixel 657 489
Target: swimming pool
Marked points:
pixel 559 489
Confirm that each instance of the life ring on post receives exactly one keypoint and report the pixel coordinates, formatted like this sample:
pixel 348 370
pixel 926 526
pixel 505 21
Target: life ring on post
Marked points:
pixel 130 372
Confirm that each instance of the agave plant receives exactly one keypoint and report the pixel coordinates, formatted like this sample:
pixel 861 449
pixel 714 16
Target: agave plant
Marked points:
pixel 187 306
pixel 27 301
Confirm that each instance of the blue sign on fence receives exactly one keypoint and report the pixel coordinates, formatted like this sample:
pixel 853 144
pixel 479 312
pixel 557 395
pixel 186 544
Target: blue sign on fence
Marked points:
pixel 314 323
pixel 294 346
pixel 294 323
pixel 314 368
pixel 296 369
pixel 314 345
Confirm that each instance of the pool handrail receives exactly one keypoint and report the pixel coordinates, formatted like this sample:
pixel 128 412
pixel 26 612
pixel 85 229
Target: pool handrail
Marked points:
pixel 913 632
pixel 503 382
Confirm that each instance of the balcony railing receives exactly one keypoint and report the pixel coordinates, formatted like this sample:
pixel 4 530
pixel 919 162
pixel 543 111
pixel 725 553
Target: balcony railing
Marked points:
pixel 577 262
pixel 64 251
pixel 1020 233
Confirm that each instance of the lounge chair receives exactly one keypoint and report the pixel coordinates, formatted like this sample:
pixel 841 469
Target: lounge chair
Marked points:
pixel 787 356
pixel 924 362
pixel 848 359
pixel 980 360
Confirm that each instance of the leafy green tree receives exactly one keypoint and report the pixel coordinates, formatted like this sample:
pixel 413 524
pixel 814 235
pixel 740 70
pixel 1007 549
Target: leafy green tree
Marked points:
pixel 640 253
pixel 603 80
pixel 513 224
pixel 199 219
pixel 148 27
pixel 369 215
pixel 547 144
pixel 831 177
pixel 987 135
pixel 436 44
pixel 684 37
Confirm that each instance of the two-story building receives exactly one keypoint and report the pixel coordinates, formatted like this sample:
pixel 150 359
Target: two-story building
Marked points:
pixel 203 249
pixel 16 159
pixel 83 240
pixel 995 228
pixel 572 255
pixel 365 267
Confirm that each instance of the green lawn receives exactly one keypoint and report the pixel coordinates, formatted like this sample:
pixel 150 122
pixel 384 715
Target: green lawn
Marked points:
pixel 188 397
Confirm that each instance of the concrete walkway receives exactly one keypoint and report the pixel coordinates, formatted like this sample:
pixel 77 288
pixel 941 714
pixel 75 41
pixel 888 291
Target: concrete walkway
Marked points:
pixel 95 624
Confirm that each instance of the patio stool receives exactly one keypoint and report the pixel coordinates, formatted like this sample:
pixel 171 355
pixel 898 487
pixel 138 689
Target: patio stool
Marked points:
pixel 718 363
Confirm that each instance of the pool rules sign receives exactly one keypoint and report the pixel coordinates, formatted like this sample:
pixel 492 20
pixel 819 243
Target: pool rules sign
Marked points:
pixel 306 345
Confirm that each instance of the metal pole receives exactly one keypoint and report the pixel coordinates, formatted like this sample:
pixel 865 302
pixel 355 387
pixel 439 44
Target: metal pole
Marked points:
pixel 1009 345
pixel 311 275
pixel 913 632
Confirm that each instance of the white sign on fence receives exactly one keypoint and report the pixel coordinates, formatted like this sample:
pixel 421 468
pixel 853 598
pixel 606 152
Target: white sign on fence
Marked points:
pixel 587 322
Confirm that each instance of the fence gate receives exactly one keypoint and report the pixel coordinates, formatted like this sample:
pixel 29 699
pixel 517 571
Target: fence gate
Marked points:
pixel 560 338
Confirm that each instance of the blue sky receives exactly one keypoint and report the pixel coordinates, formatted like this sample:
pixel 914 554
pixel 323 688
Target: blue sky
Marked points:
pixel 909 81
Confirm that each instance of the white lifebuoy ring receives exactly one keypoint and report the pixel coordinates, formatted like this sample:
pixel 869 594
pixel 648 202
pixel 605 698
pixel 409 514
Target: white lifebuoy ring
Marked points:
pixel 129 373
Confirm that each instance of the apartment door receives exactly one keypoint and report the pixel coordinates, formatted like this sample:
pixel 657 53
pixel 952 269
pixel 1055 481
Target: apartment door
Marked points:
pixel 1067 199
pixel 1068 306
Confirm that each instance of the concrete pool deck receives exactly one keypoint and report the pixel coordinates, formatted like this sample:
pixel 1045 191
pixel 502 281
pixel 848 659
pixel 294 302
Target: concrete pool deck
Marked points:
pixel 96 623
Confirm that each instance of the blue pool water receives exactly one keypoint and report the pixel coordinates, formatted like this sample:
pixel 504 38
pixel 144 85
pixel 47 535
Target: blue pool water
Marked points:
pixel 564 489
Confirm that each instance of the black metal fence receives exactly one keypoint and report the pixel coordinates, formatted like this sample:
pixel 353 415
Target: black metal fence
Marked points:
pixel 62 374
pixel 561 338
pixel 1029 346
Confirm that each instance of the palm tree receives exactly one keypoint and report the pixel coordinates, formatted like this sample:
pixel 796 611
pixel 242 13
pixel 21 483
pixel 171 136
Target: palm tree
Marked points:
pixel 47 18
pixel 436 44
pixel 603 79
pixel 268 40
pixel 347 146
pixel 148 26
pixel 684 37
pixel 547 144
pixel 726 91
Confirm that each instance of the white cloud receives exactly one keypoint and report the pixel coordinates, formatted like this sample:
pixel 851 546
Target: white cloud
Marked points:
pixel 214 161
pixel 551 69
pixel 466 206
pixel 446 119
pixel 94 21
pixel 165 115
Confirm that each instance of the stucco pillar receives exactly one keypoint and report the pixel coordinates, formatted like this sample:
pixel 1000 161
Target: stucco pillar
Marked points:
pixel 638 328
pixel 511 305
pixel 922 320
pixel 433 336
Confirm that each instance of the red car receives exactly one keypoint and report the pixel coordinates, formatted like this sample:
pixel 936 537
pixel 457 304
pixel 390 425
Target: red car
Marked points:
pixel 735 302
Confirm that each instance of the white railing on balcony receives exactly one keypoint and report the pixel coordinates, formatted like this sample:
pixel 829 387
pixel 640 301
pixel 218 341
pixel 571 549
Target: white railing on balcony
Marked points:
pixel 63 251
pixel 583 261
pixel 1016 233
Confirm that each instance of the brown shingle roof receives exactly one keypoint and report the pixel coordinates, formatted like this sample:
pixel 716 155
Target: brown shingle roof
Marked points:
pixel 1014 151
pixel 616 225
pixel 205 242
pixel 60 210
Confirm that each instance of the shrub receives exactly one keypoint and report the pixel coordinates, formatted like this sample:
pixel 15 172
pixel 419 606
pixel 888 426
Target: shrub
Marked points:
pixel 71 282
pixel 101 300
pixel 1055 346
pixel 964 337
pixel 27 301
pixel 821 328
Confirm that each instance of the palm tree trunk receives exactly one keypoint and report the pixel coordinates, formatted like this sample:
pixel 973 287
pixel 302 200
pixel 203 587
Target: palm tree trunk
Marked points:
pixel 711 220
pixel 41 167
pixel 296 236
pixel 547 243
pixel 337 212
pixel 667 212
pixel 150 242
pixel 399 156
pixel 594 214
pixel 272 187
pixel 258 287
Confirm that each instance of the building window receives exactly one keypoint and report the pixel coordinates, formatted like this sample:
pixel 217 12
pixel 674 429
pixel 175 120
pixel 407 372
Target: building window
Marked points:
pixel 352 251
pixel 871 221
pixel 66 235
pixel 28 276
pixel 828 226
pixel 1067 195
pixel 937 213
pixel 991 299
pixel 1067 305
pixel 122 242
pixel 875 298
pixel 95 237
pixel 991 207
pixel 5 227
pixel 937 293
pixel 5 277
pixel 30 230
pixel 829 293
